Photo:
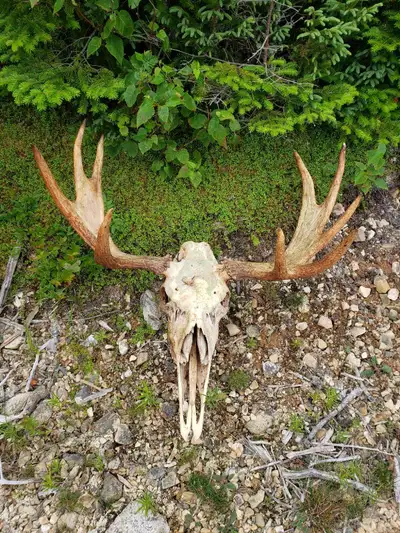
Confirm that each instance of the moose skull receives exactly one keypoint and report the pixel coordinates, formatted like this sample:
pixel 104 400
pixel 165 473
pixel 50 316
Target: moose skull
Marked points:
pixel 195 292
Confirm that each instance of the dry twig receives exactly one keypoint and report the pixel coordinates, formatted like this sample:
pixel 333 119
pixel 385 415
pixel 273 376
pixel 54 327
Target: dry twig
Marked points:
pixel 10 269
pixel 326 476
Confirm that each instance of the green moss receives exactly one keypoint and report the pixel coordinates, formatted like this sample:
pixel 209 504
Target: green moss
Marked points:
pixel 238 380
pixel 251 188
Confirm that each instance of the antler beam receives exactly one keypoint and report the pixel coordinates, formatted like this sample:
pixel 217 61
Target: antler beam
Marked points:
pixel 296 261
pixel 86 213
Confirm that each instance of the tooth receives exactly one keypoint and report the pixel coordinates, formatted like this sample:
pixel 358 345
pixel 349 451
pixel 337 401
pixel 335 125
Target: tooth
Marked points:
pixel 186 346
pixel 202 346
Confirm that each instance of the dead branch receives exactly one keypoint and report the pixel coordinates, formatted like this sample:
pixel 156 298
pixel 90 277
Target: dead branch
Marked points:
pixel 10 269
pixel 349 398
pixel 268 33
pixel 326 476
pixel 337 460
pixel 32 373
pixel 310 451
pixel 356 447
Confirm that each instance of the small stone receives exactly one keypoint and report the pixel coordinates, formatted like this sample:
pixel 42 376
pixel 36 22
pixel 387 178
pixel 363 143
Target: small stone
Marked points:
pixel 74 459
pixel 105 326
pixel 301 326
pixel 370 234
pixel 142 358
pixel 259 424
pixel 381 284
pixel 253 385
pixel 170 480
pixel 233 329
pixel 360 235
pixel 396 267
pixel 259 520
pixel 256 287
pixel 357 331
pixel 67 522
pixel 188 497
pixel 338 210
pixel 123 435
pixel 237 449
pixel 107 423
pixel 325 322
pixel 168 409
pixel 256 499
pixel 386 340
pixel 393 314
pixel 364 291
pixel 253 331
pixel 353 361
pixel 345 306
pixel 310 361
pixel 269 368
pixel 126 374
pixel 112 489
pixel 123 347
pixel 15 344
pixel 132 519
pixel 43 412
pixel 304 307
pixel 393 294
pixel 156 473
pixel 321 344
pixel 114 464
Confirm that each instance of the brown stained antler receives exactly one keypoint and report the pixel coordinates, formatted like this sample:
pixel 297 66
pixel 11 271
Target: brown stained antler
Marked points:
pixel 86 213
pixel 296 261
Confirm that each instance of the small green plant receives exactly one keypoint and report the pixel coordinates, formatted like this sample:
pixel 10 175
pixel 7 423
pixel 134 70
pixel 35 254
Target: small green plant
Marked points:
pixel 68 500
pixel 296 343
pixel 238 380
pixel 52 477
pixel 292 300
pixel 332 398
pixel 100 335
pixel 188 455
pixel 214 397
pixel 142 333
pixel 251 343
pixel 146 397
pixel 17 433
pixel 349 471
pixel 207 489
pixel 376 368
pixel 147 504
pixel 297 424
pixel 55 401
pixel 369 174
pixel 82 357
pixel 382 478
pixel 96 461
pixel 342 436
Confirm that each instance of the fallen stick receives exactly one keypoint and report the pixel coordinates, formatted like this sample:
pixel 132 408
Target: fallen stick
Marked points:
pixel 310 451
pixel 337 460
pixel 349 398
pixel 94 396
pixel 326 476
pixel 10 269
pixel 32 373
pixel 357 447
pixel 5 379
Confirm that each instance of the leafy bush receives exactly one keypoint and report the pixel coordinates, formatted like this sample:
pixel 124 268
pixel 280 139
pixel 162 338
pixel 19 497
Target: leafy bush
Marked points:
pixel 370 174
pixel 167 78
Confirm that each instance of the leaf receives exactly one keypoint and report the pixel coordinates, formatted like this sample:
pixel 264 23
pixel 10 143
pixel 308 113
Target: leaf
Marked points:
pixel 217 131
pixel 183 172
pixel 146 111
pixel 58 4
pixel 163 113
pixel 182 156
pixel 174 101
pixel 197 121
pixel 93 46
pixel 124 23
pixel 367 373
pixel 234 125
pixel 130 95
pixel 145 146
pixel 104 4
pixel 387 369
pixel 157 165
pixel 380 183
pixel 196 69
pixel 115 46
pixel 195 178
pixel 34 3
pixel 170 153
pixel 131 148
pixel 133 4
pixel 188 102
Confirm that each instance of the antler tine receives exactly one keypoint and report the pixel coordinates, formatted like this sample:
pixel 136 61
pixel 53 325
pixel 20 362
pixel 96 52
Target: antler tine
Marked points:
pixel 308 198
pixel 337 180
pixel 98 163
pixel 79 173
pixel 280 260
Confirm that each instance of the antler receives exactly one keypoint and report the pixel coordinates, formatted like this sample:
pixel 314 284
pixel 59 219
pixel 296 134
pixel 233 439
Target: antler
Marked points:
pixel 86 214
pixel 296 261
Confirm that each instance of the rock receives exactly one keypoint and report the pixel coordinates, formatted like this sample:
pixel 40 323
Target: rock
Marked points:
pixel 67 522
pixel 357 331
pixel 393 294
pixel 43 412
pixel 82 393
pixel 105 326
pixel 321 344
pixel 123 346
pixel 112 489
pixel 386 340
pixel 256 499
pixel 123 435
pixel 259 519
pixel 353 361
pixel 345 306
pixel 168 410
pixel 396 267
pixel 325 322
pixel 107 423
pixel 15 344
pixel 360 235
pixel 188 497
pixel 338 210
pixel 232 329
pixel 132 520
pixel 260 423
pixel 253 331
pixel 237 449
pixel 364 291
pixel 381 284
pixel 170 480
pixel 393 314
pixel 90 341
pixel 310 361
pixel 151 310
pixel 74 459
pixel 25 401
pixel 142 358
pixel 301 326
pixel 269 368
pixel 156 473
pixel 256 287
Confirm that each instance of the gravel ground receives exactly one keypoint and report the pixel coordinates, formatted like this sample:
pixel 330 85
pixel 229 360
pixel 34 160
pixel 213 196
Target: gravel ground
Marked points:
pixel 304 346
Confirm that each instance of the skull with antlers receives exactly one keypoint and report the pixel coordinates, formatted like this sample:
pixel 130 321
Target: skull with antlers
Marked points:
pixel 195 293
